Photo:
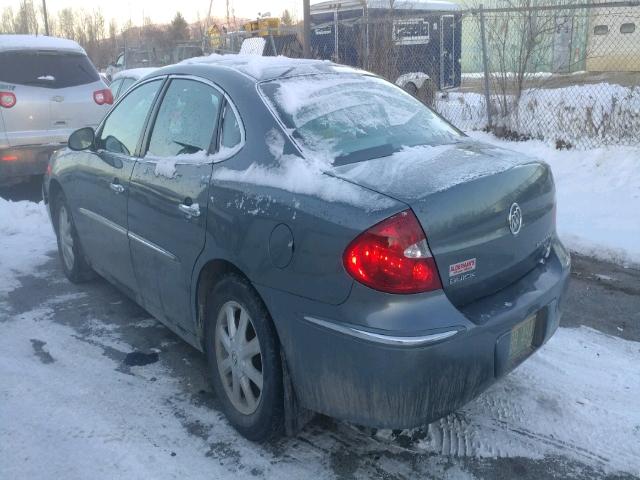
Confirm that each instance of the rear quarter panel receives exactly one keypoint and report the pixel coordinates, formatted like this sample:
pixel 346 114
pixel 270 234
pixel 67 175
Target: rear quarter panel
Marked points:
pixel 243 214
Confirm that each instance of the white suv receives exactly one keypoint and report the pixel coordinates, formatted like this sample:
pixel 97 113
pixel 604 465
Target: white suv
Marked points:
pixel 48 89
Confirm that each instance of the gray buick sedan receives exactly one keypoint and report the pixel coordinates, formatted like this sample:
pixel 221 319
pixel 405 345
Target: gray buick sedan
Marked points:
pixel 330 243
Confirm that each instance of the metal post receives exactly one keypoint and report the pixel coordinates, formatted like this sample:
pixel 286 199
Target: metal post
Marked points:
pixel 46 19
pixel 485 63
pixel 306 28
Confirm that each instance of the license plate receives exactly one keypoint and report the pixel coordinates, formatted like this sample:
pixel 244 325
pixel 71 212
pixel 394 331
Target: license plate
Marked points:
pixel 522 339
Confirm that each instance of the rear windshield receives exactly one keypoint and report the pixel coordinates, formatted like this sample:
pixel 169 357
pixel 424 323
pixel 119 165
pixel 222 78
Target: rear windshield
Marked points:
pixel 47 69
pixel 354 117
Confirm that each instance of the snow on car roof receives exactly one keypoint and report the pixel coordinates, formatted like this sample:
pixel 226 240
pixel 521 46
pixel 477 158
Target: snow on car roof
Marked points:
pixel 38 42
pixel 434 5
pixel 263 68
pixel 136 73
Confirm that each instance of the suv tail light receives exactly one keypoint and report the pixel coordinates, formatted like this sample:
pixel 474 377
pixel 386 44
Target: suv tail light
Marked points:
pixel 393 256
pixel 103 96
pixel 7 99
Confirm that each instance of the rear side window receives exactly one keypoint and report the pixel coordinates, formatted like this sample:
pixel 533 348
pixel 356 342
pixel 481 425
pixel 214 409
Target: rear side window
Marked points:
pixel 186 120
pixel 231 136
pixel 126 83
pixel 47 69
pixel 123 127
pixel 115 85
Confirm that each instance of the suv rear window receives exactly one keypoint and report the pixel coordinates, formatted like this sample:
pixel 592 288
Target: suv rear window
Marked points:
pixel 47 69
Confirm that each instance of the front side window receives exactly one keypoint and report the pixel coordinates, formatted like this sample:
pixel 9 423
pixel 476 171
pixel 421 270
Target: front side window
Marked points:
pixel 123 127
pixel 354 117
pixel 187 119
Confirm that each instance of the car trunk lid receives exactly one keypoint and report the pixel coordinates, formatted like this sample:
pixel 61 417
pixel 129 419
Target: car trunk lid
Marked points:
pixel 462 195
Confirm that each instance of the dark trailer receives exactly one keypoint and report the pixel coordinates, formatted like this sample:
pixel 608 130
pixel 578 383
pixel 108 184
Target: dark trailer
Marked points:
pixel 402 43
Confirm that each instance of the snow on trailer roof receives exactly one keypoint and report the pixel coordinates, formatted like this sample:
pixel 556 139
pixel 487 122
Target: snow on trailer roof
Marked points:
pixel 429 5
pixel 38 42
pixel 266 68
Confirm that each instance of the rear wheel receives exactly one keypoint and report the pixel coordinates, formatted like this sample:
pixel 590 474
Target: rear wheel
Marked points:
pixel 72 257
pixel 244 359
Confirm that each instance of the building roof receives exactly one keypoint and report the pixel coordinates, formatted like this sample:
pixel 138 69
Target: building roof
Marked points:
pixel 422 5
pixel 38 42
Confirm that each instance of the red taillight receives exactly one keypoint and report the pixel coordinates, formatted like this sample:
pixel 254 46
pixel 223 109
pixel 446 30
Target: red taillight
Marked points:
pixel 393 256
pixel 7 99
pixel 102 97
pixel 9 158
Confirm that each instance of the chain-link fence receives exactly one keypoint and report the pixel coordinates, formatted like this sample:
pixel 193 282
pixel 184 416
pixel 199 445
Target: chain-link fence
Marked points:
pixel 567 74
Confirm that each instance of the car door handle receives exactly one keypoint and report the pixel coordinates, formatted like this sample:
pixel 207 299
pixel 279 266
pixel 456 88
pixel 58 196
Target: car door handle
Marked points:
pixel 192 210
pixel 116 187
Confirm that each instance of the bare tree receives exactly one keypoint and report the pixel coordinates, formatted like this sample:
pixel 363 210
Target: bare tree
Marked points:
pixel 8 21
pixel 518 41
pixel 26 20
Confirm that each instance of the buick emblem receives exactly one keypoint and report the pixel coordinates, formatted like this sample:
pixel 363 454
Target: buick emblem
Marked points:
pixel 515 219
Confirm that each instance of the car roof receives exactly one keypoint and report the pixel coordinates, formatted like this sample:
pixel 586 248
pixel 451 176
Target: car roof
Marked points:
pixel 38 42
pixel 136 73
pixel 263 68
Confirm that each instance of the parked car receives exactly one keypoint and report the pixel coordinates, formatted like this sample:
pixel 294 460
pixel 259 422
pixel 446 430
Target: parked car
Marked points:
pixel 328 241
pixel 123 80
pixel 48 89
pixel 133 58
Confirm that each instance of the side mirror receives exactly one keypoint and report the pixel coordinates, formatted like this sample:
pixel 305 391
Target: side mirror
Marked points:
pixel 82 139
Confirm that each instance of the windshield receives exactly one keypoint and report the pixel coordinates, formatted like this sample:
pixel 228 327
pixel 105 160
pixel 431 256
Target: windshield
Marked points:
pixel 354 117
pixel 47 69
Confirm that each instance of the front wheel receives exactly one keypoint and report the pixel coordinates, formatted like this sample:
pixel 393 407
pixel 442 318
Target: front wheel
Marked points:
pixel 244 359
pixel 70 251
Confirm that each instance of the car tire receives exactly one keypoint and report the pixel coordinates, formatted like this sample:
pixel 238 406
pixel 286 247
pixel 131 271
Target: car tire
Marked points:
pixel 256 411
pixel 74 263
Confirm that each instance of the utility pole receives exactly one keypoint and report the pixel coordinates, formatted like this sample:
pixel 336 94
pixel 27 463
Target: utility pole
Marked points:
pixel 46 20
pixel 306 28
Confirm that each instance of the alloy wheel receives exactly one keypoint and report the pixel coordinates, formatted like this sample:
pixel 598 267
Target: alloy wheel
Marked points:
pixel 239 357
pixel 66 237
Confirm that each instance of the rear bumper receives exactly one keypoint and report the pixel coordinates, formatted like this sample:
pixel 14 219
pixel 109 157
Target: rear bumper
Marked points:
pixel 402 378
pixel 18 162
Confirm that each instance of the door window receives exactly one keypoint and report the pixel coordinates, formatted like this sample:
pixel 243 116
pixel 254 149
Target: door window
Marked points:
pixel 187 119
pixel 231 135
pixel 123 127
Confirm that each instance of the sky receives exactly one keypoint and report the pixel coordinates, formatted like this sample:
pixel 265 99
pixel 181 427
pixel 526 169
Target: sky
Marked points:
pixel 163 11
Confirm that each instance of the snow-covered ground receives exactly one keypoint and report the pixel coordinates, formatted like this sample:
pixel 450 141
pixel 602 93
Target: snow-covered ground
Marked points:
pixel 598 195
pixel 25 236
pixel 69 409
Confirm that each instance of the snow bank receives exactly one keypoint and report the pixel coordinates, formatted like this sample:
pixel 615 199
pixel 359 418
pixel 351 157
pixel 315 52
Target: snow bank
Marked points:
pixel 598 194
pixel 26 236
pixel 582 115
